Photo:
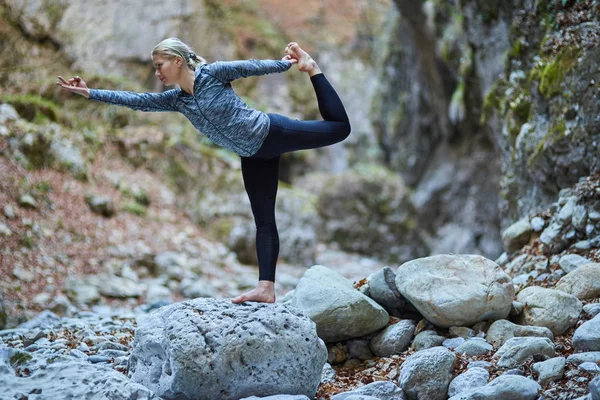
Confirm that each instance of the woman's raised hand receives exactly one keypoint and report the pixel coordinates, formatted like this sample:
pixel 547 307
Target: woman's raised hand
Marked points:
pixel 74 85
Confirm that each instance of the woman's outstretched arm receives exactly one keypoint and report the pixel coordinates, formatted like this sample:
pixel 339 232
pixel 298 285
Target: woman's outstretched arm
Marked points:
pixel 228 71
pixel 146 101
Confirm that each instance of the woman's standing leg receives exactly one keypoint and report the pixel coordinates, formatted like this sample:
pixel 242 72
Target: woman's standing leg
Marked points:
pixel 260 180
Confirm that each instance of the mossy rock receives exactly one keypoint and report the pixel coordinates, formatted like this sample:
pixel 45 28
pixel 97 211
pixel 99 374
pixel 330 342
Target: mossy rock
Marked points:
pixel 135 208
pixel 553 73
pixel 32 107
pixel 19 358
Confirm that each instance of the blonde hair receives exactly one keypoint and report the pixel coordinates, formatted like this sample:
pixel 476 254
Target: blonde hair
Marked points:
pixel 173 47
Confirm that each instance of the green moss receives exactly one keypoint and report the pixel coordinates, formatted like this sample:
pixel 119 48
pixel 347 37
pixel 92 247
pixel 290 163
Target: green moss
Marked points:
pixel 491 101
pixel 135 208
pixel 29 106
pixel 556 133
pixel 20 358
pixel 553 73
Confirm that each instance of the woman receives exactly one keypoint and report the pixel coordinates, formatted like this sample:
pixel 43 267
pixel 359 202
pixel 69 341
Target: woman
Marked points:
pixel 205 96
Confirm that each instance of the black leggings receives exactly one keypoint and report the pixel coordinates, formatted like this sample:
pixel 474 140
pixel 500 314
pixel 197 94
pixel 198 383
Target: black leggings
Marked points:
pixel 261 171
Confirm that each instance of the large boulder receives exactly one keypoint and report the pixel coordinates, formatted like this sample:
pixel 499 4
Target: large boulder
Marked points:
pixel 214 349
pixel 339 310
pixel 456 290
pixel 554 309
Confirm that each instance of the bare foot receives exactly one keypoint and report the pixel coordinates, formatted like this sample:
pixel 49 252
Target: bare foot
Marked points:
pixel 305 61
pixel 264 293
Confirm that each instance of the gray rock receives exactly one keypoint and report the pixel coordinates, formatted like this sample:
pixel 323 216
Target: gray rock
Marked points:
pixel 23 274
pixel 570 262
pixel 592 309
pixel 579 358
pixel 382 390
pixel 168 260
pixel 115 286
pixel 382 289
pixel 456 290
pixel 69 157
pixel 595 388
pixel 472 378
pixel 102 205
pixel 550 370
pixel 479 364
pixel 583 282
pixel 193 288
pixel 566 212
pixel 340 311
pixel 27 201
pixel 278 397
pixel 7 113
pixel 504 387
pixel 587 336
pixel 328 373
pixel 9 211
pixel 474 347
pixel 426 374
pixel 453 342
pixel 249 349
pixel 427 339
pixel 580 217
pixel 45 319
pixel 502 330
pixel 517 235
pixel 461 331
pixel 553 238
pixel 394 339
pixel 537 224
pixel 583 245
pixel 5 230
pixel 554 309
pixel 589 367
pixel 359 348
pixel 516 350
pixel 71 379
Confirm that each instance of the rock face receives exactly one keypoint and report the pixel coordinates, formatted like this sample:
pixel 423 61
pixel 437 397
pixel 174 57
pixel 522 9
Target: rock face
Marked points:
pixel 340 311
pixel 208 349
pixel 456 290
pixel 554 309
pixel 427 374
pixel 368 210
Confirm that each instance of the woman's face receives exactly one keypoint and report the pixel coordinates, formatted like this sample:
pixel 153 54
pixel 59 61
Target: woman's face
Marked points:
pixel 167 70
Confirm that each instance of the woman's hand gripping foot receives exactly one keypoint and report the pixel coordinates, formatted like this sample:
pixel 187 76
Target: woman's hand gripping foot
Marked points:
pixel 305 61
pixel 264 293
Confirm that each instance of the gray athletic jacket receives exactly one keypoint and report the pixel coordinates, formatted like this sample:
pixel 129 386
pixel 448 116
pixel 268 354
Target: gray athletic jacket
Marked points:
pixel 215 109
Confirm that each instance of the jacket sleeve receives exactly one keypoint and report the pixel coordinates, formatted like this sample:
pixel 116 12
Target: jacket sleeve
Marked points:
pixel 227 71
pixel 146 101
